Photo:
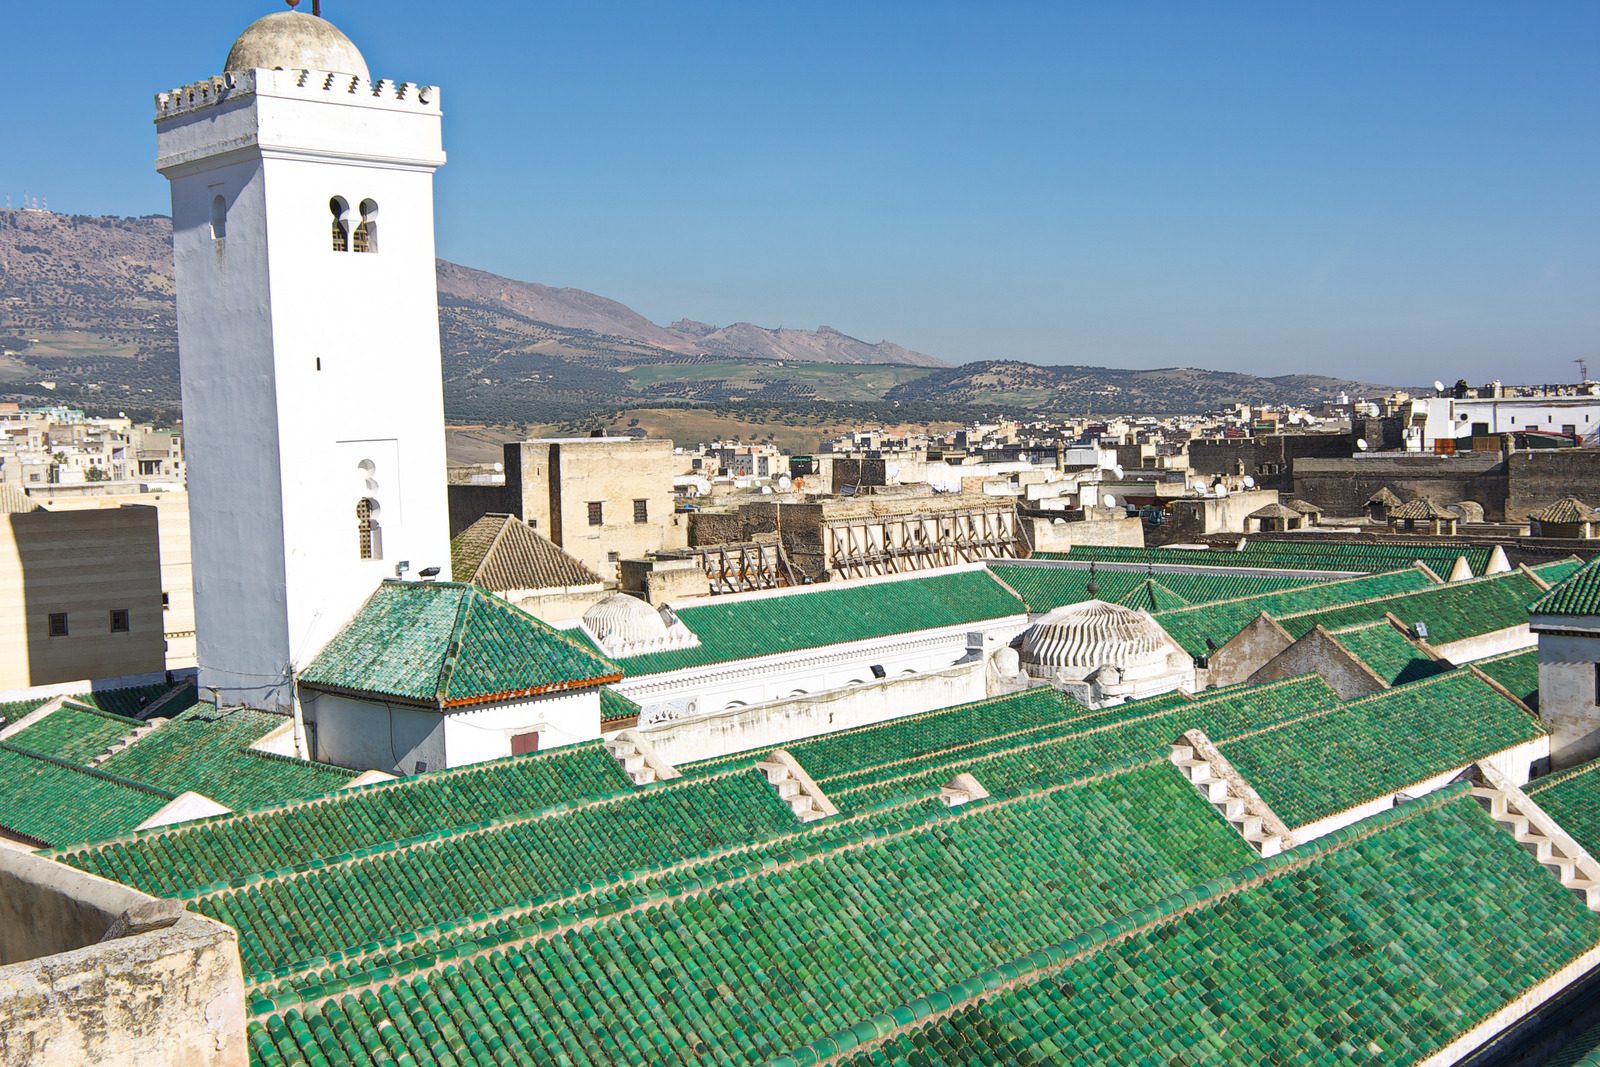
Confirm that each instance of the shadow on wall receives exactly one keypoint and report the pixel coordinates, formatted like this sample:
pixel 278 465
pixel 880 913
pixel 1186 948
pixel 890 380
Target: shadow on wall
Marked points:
pixel 83 599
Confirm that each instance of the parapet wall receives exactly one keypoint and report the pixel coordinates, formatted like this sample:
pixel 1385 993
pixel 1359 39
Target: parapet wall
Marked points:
pixel 307 84
pixel 168 991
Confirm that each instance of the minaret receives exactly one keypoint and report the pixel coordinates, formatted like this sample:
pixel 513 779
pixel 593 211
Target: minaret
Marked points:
pixel 308 335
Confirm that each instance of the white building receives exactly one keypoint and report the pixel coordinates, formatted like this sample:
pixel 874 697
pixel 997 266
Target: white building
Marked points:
pixel 302 204
pixel 1446 418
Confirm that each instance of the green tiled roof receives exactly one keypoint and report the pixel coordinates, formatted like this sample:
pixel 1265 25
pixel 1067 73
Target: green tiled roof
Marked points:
pixel 208 751
pixel 768 625
pixel 15 710
pixel 1580 1050
pixel 1046 588
pixel 74 732
pixel 1557 571
pixel 1390 654
pixel 1517 671
pixel 446 644
pixel 614 706
pixel 1578 594
pixel 1313 555
pixel 167 860
pixel 57 802
pixel 1451 612
pixel 794 942
pixel 1152 596
pixel 1572 799
pixel 1333 759
pixel 129 700
pixel 1378 945
pixel 1221 620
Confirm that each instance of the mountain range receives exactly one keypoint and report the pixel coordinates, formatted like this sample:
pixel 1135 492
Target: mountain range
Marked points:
pixel 87 319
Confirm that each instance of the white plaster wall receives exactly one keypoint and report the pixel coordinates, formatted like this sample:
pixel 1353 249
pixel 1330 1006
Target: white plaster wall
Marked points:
pixel 362 734
pixel 1484 645
pixel 268 433
pixel 472 736
pixel 1567 695
pixel 707 690
pixel 783 721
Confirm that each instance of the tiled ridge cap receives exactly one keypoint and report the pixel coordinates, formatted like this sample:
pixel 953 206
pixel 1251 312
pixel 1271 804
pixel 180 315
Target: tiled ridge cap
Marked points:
pixel 71 704
pixel 337 797
pixel 310 996
pixel 580 897
pixel 432 838
pixel 1427 590
pixel 1311 585
pixel 92 772
pixel 1042 963
pixel 1550 781
pixel 1297 680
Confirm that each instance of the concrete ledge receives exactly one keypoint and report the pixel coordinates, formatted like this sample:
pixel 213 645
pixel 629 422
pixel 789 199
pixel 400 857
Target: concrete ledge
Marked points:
pixel 96 972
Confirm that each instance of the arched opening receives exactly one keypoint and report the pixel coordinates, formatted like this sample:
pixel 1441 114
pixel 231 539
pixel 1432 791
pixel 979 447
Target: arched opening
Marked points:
pixel 369 530
pixel 219 217
pixel 366 237
pixel 341 224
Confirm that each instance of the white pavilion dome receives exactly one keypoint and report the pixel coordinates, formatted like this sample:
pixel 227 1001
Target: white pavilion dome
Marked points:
pixel 289 40
pixel 621 619
pixel 1081 637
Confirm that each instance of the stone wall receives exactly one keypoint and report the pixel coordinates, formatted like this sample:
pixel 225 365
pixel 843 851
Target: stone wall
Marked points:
pixel 1318 653
pixel 1544 476
pixel 469 503
pixel 1268 458
pixel 169 991
pixel 1191 518
pixel 1342 486
pixel 1059 535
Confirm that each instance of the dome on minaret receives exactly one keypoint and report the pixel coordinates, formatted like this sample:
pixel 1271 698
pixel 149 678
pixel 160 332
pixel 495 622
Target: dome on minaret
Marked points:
pixel 289 40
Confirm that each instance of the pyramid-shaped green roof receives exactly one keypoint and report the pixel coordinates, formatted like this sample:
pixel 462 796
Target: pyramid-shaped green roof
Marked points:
pixel 1578 595
pixel 1150 595
pixel 449 644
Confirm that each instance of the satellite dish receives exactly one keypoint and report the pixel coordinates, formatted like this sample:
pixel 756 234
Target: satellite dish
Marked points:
pixel 1249 482
pixel 1110 501
pixel 1117 470
pixel 1438 386
pixel 1361 443
pixel 784 481
pixel 1222 490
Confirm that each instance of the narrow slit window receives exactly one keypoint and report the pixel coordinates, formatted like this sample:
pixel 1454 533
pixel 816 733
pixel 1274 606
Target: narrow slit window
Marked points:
pixel 370 533
pixel 341 224
pixel 596 513
pixel 219 217
pixel 366 235
pixel 641 511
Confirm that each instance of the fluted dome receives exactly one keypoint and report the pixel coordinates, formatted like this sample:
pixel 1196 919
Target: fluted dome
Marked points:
pixel 621 619
pixel 1081 637
pixel 289 40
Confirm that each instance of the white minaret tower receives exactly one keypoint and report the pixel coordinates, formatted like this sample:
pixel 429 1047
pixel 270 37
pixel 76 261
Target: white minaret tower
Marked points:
pixel 308 326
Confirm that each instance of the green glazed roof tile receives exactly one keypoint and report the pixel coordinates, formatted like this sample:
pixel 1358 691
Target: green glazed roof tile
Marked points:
pixel 58 802
pixel 74 732
pixel 1295 555
pixel 1451 612
pixel 1045 588
pixel 1390 654
pixel 1577 594
pixel 446 644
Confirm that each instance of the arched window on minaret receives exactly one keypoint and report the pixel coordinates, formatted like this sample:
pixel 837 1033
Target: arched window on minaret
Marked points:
pixel 366 235
pixel 371 533
pixel 341 224
pixel 219 217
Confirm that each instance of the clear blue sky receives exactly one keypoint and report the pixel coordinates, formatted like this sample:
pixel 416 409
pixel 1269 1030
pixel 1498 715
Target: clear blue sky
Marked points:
pixel 1390 190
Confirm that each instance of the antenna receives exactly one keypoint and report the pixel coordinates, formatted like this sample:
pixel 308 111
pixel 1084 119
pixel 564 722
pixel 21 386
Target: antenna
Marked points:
pixel 1583 369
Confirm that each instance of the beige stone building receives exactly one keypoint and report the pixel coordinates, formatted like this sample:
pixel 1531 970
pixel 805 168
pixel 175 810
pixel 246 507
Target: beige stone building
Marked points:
pixel 80 593
pixel 177 572
pixel 601 499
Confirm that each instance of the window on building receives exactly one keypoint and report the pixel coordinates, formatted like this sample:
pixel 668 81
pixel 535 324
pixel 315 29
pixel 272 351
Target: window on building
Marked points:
pixel 521 743
pixel 641 511
pixel 219 217
pixel 370 533
pixel 613 557
pixel 119 621
pixel 58 624
pixel 1597 684
pixel 341 224
pixel 366 236
pixel 596 513
pixel 166 601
